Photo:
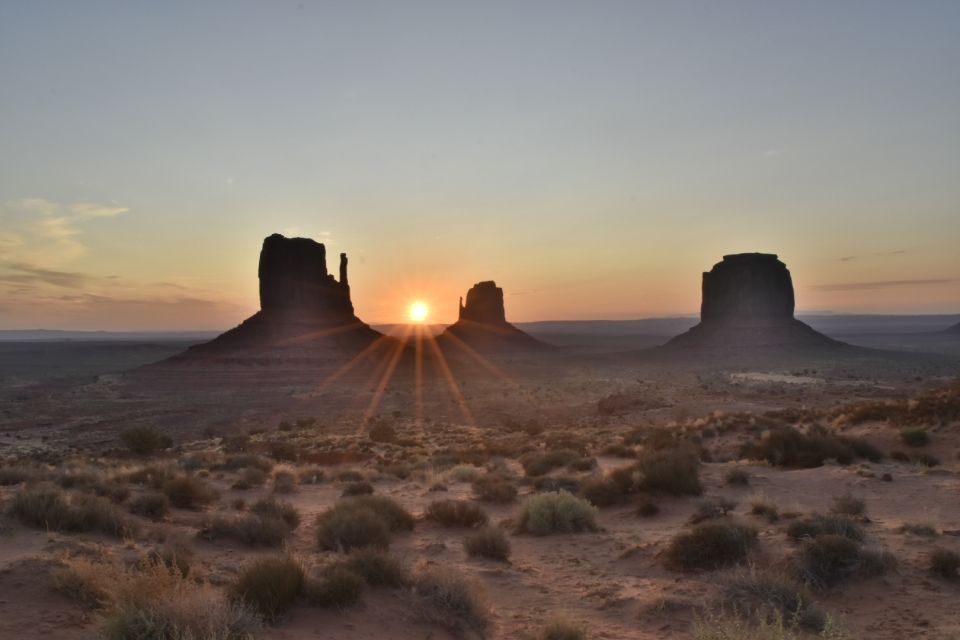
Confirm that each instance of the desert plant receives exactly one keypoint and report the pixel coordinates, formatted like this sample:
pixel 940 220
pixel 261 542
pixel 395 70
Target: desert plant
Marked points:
pixel 495 489
pixel 464 473
pixel 378 568
pixel 674 470
pixel 711 508
pixel 337 586
pixel 737 477
pixel 268 507
pixel 771 595
pixel 647 509
pixel 924 529
pixel 365 521
pixel 916 437
pixel 711 545
pixel 175 554
pixel 456 513
pixel 541 463
pixel 269 585
pixel 560 512
pixel 816 526
pixel 357 489
pixel 46 506
pixel 488 542
pixel 152 504
pixel 17 473
pixel 252 529
pixel 144 440
pixel 831 559
pixel 944 563
pixel 848 505
pixel 560 629
pixel 239 461
pixel 764 509
pixel 188 492
pixel 447 598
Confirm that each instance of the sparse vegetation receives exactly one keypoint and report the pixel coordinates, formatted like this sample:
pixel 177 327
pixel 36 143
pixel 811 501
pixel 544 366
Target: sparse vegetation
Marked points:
pixel 449 599
pixel 764 509
pixel 770 596
pixel 786 446
pixel 495 489
pixel 816 526
pixel 848 505
pixel 916 437
pixel 737 477
pixel 357 489
pixel 249 528
pixel 365 521
pixel 269 586
pixel 144 441
pixel 560 512
pixel 47 507
pixel 944 563
pixel 271 508
pixel 541 463
pixel 378 568
pixel 151 504
pixel 337 586
pixel 188 492
pixel 456 513
pixel 488 542
pixel 561 629
pixel 830 559
pixel 711 545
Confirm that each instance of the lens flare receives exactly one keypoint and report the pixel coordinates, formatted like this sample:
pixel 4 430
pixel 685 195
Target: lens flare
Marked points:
pixel 418 312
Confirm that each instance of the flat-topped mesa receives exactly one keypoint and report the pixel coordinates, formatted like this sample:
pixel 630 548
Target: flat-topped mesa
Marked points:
pixel 748 304
pixel 294 278
pixel 484 304
pixel 747 288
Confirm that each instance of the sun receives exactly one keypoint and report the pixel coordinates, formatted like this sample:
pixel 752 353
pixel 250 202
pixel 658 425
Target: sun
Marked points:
pixel 418 311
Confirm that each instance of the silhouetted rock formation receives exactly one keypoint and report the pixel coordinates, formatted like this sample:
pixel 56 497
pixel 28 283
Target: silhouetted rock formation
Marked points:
pixel 305 313
pixel 748 302
pixel 482 323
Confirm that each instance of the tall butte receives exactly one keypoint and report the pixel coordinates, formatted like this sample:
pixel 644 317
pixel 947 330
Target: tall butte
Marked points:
pixel 748 303
pixel 304 311
pixel 482 323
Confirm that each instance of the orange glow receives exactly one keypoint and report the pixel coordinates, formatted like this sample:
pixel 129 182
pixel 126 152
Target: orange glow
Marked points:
pixel 418 312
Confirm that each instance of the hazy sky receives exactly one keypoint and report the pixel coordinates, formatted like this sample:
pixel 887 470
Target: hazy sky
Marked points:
pixel 593 157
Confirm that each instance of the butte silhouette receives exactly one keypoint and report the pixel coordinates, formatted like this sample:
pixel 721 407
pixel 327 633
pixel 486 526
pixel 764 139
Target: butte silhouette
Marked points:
pixel 306 315
pixel 482 324
pixel 748 304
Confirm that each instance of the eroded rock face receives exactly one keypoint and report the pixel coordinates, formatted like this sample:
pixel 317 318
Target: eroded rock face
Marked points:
pixel 294 278
pixel 484 304
pixel 748 304
pixel 747 288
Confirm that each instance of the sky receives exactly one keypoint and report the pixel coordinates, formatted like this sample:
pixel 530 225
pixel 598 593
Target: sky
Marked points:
pixel 592 157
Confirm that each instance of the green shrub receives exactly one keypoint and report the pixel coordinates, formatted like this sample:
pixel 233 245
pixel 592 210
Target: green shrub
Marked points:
pixel 188 492
pixel 47 507
pixel 772 595
pixel 944 563
pixel 364 521
pixel 816 526
pixel 378 568
pixel 456 513
pixel 786 446
pixel 675 471
pixel 270 585
pixel 338 587
pixel 488 542
pixel 447 598
pixel 831 559
pixel 561 512
pixel 711 545
pixel 144 440
pixel 152 504
pixel 464 473
pixel 915 437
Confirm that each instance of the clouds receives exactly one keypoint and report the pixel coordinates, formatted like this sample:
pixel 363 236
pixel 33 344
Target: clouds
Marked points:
pixel 896 252
pixel 882 284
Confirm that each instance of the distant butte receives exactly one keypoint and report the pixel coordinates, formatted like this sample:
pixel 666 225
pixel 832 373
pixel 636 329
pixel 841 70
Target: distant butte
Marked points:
pixel 305 313
pixel 748 303
pixel 482 323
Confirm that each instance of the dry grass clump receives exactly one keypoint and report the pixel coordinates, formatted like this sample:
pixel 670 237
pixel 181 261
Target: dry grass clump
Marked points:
pixel 284 481
pixel 737 477
pixel 455 513
pixel 92 482
pixel 488 542
pixel 831 559
pixel 251 529
pixel 647 509
pixel 944 563
pixel 848 505
pixel 271 508
pixel 917 437
pixel 18 473
pixel 711 545
pixel 494 488
pixel 364 521
pixel 761 507
pixel 540 463
pixel 337 586
pixel 675 471
pixel 175 553
pixel 151 475
pixel 560 512
pixel 560 629
pixel 249 478
pixel 283 450
pixel 48 507
pixel 447 598
pixel 464 473
pixel 189 492
pixel 923 529
pixel 378 568
pixel 151 504
pixel 84 581
pixel 269 586
pixel 723 625
pixel 357 489
pixel 312 475
pixel 816 526
pixel 712 508
pixel 786 446
pixel 938 407
pixel 239 461
pixel 772 596
pixel 144 440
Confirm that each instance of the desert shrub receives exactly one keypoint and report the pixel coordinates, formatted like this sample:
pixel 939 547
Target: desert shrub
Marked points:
pixel 152 504
pixel 312 475
pixel 144 440
pixel 772 595
pixel 270 585
pixel 250 478
pixel 238 461
pixel 156 603
pixel 584 463
pixel 944 563
pixel 456 513
pixel 464 473
pixel 618 450
pixel 378 568
pixel 711 545
pixel 494 488
pixel 270 508
pixel 45 506
pixel 602 492
pixel 723 625
pixel 561 512
pixel 188 492
pixel 337 586
pixel 382 432
pixel 647 509
pixel 449 599
pixel 924 529
pixel 488 542
pixel 364 521
pixel 283 450
pixel 675 471
pixel 350 475
pixel 357 489
pixel 900 456
pixel 175 554
pixel 916 437
pixel 764 509
pixel 541 463
pixel 250 528
pixel 925 460
pixel 848 505
pixel 84 581
pixel 831 559
pixel 284 481
pixel 17 473
pixel 93 483
pixel 560 629
pixel 785 446
pixel 737 477
pixel 712 508
pixel 816 526
pixel 153 476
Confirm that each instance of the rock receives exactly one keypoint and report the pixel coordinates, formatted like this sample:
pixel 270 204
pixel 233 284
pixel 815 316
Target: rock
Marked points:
pixel 748 303
pixel 306 315
pixel 482 324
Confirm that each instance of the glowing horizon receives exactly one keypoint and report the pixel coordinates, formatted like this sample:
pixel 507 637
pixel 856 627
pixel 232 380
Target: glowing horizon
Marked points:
pixel 592 160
